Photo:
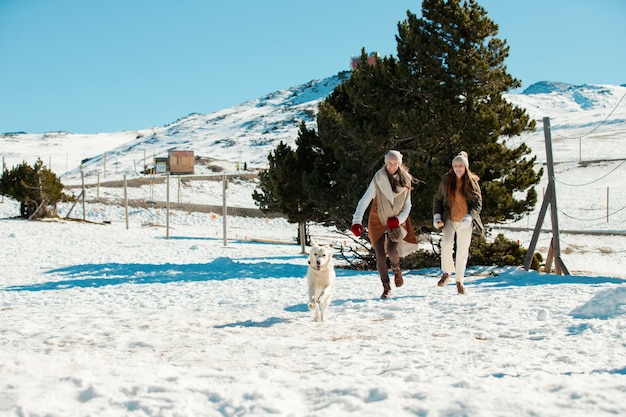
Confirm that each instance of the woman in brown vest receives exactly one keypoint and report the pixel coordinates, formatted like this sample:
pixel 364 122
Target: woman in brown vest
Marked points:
pixel 388 225
pixel 456 207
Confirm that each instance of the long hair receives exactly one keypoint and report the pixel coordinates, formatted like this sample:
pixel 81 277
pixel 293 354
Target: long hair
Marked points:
pixel 470 187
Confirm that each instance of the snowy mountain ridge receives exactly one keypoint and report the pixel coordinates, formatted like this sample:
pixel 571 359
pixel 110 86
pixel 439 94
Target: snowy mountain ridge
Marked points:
pixel 249 131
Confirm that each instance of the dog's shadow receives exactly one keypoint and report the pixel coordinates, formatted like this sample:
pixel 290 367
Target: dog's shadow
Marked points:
pixel 302 308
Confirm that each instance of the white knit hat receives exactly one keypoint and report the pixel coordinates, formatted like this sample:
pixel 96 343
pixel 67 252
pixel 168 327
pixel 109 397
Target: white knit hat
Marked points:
pixel 394 156
pixel 462 156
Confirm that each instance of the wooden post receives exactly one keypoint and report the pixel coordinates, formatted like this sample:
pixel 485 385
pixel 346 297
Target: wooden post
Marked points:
pixel 82 177
pixel 580 152
pixel 302 230
pixel 549 258
pixel 559 266
pixel 125 201
pixel 533 242
pixel 224 208
pixel 74 205
pixel 167 207
pixel 549 198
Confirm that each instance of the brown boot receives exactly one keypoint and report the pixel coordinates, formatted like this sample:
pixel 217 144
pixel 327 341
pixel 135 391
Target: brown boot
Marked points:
pixel 397 276
pixel 460 288
pixel 444 280
pixel 386 290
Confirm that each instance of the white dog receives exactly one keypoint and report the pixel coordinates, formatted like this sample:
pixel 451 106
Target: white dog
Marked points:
pixel 320 278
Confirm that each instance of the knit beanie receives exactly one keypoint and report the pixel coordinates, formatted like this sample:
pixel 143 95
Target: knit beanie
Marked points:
pixel 462 157
pixel 393 156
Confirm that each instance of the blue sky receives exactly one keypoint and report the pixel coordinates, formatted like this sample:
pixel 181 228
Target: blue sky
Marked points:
pixel 104 66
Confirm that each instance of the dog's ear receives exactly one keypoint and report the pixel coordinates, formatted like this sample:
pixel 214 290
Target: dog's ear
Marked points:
pixel 313 243
pixel 331 245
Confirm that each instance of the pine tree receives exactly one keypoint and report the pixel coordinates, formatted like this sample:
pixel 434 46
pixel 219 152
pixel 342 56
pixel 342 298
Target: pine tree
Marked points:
pixel 442 94
pixel 36 188
pixel 282 183
pixel 455 79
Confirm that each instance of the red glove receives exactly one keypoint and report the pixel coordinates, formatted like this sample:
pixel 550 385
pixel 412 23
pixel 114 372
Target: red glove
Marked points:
pixel 357 230
pixel 393 222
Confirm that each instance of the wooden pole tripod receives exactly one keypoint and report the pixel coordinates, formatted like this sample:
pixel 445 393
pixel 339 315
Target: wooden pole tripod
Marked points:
pixel 554 252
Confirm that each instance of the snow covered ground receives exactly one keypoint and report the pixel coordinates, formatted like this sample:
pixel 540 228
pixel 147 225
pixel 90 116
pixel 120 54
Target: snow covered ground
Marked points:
pixel 101 319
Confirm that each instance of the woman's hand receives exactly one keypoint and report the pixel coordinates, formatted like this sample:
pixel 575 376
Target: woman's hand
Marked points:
pixel 393 222
pixel 466 222
pixel 437 222
pixel 357 229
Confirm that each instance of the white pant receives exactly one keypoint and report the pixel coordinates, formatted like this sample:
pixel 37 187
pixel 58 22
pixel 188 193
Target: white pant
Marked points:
pixel 463 240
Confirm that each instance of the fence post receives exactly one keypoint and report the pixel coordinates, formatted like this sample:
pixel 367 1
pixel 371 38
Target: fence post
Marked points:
pixel 125 200
pixel 224 209
pixel 82 177
pixel 167 207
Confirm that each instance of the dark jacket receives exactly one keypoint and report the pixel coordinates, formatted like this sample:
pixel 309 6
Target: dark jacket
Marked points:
pixel 474 204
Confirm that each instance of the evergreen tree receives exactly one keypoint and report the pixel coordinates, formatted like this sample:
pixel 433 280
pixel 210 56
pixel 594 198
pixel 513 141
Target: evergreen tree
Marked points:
pixel 37 189
pixel 442 94
pixel 282 183
pixel 454 84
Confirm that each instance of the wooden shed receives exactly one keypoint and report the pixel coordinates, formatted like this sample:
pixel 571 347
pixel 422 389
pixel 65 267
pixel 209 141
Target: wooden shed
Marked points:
pixel 181 162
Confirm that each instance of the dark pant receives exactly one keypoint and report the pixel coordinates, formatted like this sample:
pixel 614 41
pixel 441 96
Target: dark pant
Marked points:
pixel 381 256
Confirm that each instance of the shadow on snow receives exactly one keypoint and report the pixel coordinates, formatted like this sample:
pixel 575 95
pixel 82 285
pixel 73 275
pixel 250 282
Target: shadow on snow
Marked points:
pixel 516 277
pixel 224 268
pixel 220 269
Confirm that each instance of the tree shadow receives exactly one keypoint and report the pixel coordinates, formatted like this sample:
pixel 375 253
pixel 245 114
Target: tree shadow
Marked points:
pixel 220 269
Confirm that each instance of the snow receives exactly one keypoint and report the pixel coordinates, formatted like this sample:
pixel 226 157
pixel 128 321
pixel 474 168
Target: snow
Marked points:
pixel 101 318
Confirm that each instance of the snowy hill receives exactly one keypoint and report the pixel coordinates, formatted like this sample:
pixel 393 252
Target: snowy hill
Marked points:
pixel 588 125
pixel 249 131
pixel 246 132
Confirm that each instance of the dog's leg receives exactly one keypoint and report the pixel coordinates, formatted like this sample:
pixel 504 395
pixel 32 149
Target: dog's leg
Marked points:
pixel 315 304
pixel 324 306
pixel 319 298
pixel 319 314
pixel 311 303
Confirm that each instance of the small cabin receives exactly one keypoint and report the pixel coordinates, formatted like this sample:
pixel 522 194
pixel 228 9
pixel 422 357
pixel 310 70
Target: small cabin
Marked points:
pixel 181 162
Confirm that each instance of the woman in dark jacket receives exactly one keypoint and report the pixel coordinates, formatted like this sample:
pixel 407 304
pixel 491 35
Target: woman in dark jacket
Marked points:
pixel 456 207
